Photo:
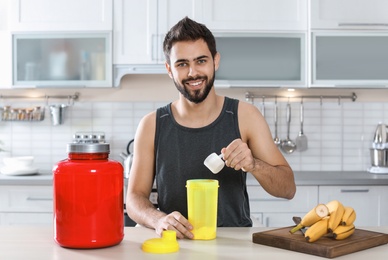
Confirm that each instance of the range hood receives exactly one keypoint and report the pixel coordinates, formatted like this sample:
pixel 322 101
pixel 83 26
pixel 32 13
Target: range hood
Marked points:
pixel 248 60
pixel 120 71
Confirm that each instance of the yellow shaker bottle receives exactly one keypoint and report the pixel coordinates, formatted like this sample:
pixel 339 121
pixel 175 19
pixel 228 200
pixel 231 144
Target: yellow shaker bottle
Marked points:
pixel 202 203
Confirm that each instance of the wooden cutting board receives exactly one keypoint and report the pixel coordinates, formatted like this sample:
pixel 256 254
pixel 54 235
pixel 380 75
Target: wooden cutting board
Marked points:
pixel 325 246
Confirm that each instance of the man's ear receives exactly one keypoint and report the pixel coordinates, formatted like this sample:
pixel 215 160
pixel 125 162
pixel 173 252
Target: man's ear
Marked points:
pixel 168 68
pixel 217 59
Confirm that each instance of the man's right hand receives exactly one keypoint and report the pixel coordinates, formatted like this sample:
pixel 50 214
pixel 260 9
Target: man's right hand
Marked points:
pixel 177 222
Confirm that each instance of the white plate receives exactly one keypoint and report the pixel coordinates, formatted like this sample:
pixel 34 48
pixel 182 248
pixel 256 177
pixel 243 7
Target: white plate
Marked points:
pixel 17 171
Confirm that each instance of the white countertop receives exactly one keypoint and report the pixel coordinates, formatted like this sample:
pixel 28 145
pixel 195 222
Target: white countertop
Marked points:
pixel 18 242
pixel 301 178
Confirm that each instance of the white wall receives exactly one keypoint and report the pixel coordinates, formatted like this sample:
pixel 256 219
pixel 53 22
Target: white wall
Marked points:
pixel 339 135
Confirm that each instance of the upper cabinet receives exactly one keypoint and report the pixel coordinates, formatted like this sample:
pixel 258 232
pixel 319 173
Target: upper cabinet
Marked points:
pixel 139 30
pixel 349 43
pixel 5 47
pixel 349 14
pixel 248 15
pixel 62 59
pixel 61 15
pixel 62 43
pixel 350 59
pixel 140 27
pixel 261 60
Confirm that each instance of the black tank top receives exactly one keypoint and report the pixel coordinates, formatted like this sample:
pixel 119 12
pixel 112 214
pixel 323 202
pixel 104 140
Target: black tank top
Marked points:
pixel 180 152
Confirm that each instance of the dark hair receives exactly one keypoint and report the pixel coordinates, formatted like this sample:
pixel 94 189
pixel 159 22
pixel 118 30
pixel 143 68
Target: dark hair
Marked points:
pixel 188 30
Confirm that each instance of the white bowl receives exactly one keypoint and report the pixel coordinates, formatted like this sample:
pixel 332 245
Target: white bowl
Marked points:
pixel 20 161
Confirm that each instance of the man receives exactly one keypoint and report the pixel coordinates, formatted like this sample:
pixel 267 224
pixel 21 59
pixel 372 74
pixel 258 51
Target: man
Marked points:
pixel 172 142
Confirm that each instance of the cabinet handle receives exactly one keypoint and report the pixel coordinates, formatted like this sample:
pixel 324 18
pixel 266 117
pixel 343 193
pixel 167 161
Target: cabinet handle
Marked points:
pixel 274 199
pixel 354 190
pixel 56 86
pixel 154 46
pixel 38 198
pixel 363 86
pixel 363 24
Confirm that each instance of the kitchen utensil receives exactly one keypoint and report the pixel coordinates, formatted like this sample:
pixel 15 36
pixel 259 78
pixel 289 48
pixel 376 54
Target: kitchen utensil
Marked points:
pixel 214 162
pixel 297 220
pixel 379 150
pixel 202 204
pixel 263 107
pixel 128 160
pixel 18 161
pixel 287 145
pixel 379 157
pixel 57 113
pixel 276 138
pixel 380 139
pixel 301 139
pixel 19 170
pixel 162 245
pixel 325 246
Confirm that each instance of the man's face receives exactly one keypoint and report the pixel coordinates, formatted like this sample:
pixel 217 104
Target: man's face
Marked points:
pixel 192 69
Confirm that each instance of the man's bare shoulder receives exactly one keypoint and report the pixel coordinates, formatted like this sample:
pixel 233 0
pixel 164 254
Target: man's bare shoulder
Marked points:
pixel 247 109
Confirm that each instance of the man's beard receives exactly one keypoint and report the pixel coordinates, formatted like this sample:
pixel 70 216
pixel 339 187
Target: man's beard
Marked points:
pixel 196 96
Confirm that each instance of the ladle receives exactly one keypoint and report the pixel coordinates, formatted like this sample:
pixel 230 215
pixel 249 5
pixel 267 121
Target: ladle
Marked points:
pixel 287 145
pixel 276 139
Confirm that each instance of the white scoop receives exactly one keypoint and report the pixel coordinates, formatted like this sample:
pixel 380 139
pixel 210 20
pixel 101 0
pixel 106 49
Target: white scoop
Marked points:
pixel 214 162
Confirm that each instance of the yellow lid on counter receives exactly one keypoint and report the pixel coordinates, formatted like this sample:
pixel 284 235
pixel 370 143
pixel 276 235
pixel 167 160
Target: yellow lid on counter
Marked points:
pixel 166 244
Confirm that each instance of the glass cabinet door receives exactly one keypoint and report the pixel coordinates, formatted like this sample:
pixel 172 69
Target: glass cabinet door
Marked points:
pixel 262 60
pixel 350 59
pixel 60 60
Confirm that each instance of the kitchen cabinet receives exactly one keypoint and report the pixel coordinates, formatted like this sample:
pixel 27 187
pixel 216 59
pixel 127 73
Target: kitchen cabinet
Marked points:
pixel 6 60
pixel 350 59
pixel 62 60
pixel 261 60
pixel 248 15
pixel 60 43
pixel 139 30
pixel 277 212
pixel 24 205
pixel 140 27
pixel 5 47
pixel 61 15
pixel 369 202
pixel 348 14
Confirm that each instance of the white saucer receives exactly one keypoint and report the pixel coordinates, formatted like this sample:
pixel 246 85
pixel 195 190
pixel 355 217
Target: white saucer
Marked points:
pixel 378 170
pixel 19 171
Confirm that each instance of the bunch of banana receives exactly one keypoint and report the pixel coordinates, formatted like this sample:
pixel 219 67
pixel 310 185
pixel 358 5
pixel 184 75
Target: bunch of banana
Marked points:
pixel 319 212
pixel 332 219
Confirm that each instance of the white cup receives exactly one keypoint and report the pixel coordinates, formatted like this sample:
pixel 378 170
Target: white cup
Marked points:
pixel 214 162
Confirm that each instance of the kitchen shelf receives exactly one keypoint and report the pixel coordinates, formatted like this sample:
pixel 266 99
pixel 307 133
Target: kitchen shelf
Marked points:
pixel 250 97
pixel 71 98
pixel 30 114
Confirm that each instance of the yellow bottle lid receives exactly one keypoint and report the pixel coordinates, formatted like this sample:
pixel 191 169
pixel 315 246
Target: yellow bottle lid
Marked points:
pixel 166 244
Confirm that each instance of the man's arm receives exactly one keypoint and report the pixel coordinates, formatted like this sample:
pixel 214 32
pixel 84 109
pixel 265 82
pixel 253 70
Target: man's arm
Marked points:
pixel 256 153
pixel 140 182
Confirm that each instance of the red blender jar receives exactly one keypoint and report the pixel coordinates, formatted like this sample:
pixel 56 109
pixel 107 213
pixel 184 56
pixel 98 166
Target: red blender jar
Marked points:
pixel 88 195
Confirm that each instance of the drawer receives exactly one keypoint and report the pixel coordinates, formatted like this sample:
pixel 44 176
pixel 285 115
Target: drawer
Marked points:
pixel 305 199
pixel 26 199
pixel 26 219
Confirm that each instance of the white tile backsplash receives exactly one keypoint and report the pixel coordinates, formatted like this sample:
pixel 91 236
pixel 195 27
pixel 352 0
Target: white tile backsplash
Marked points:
pixel 339 135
